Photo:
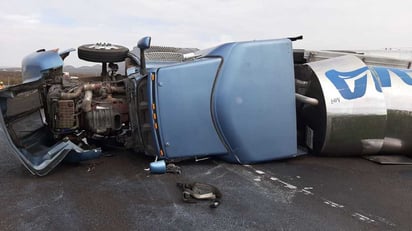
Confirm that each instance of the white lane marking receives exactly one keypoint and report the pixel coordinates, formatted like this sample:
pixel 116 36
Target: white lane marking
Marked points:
pixel 333 204
pixel 306 191
pixel 385 221
pixel 363 218
pixel 260 172
pixel 287 185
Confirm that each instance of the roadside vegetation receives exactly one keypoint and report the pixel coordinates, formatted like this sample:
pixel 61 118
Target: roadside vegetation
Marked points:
pixel 14 77
pixel 10 77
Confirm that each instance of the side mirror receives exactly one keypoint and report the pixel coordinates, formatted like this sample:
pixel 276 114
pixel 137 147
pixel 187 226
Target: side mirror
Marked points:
pixel 66 53
pixel 143 44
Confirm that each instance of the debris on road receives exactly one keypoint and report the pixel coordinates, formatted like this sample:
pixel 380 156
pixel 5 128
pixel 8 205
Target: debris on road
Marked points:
pixel 172 168
pixel 161 167
pixel 200 191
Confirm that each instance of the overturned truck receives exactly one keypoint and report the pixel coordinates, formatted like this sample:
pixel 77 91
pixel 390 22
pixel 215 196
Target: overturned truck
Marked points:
pixel 244 102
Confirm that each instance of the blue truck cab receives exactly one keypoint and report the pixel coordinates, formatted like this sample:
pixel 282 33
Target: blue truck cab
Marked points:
pixel 235 101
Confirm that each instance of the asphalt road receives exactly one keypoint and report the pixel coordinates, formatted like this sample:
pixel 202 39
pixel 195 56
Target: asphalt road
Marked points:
pixel 116 193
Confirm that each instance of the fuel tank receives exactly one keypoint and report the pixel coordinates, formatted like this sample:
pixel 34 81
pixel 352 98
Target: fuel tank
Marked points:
pixel 362 110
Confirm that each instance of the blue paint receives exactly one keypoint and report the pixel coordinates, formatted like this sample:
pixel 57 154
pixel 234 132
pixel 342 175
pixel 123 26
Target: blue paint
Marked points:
pixel 381 79
pixel 339 80
pixel 183 94
pixel 253 101
pixel 158 167
pixel 385 78
pixel 383 75
pixel 37 63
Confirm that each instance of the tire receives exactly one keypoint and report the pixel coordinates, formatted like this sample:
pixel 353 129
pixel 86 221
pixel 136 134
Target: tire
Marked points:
pixel 102 52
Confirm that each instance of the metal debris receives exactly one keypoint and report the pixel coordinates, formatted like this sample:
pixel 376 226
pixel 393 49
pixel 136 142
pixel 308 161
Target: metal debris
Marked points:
pixel 200 191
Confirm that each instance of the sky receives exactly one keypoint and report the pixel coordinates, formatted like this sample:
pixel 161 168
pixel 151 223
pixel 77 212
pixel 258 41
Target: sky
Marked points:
pixel 28 25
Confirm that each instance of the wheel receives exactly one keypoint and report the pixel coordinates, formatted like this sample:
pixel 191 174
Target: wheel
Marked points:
pixel 102 52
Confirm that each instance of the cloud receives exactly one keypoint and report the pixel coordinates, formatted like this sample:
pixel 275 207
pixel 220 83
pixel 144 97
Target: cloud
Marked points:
pixel 20 19
pixel 27 25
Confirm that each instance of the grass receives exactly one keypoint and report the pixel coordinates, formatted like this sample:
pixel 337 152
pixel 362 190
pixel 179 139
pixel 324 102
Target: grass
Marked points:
pixel 10 77
pixel 14 77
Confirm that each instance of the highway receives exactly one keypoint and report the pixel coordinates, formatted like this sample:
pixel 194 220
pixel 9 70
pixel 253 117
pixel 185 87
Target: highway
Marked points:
pixel 116 192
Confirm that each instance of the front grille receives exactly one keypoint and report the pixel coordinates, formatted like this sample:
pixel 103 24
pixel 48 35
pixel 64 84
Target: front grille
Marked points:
pixel 167 54
pixel 164 56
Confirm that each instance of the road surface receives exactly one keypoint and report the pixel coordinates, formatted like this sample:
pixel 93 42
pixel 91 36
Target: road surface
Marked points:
pixel 116 193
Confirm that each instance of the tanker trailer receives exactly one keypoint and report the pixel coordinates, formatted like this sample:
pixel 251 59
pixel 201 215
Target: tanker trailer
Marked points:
pixel 362 107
